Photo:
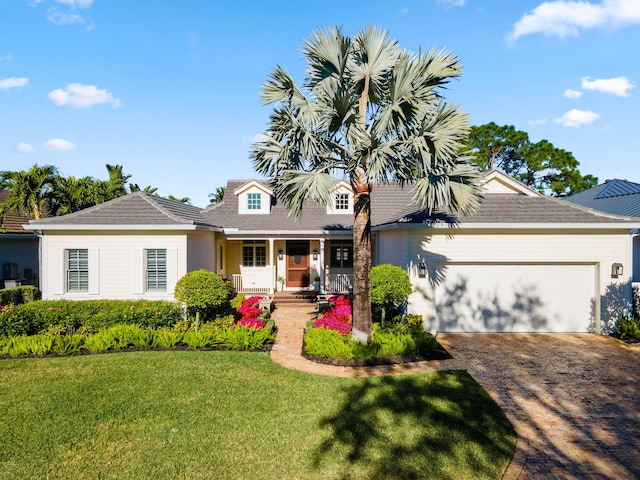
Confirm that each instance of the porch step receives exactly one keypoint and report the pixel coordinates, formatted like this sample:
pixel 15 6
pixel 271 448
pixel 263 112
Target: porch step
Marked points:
pixel 294 297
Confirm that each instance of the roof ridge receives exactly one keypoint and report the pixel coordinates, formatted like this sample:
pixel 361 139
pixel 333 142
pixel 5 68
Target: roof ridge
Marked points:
pixel 631 187
pixel 154 201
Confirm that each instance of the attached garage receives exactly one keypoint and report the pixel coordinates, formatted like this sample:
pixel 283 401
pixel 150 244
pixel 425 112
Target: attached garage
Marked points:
pixel 515 297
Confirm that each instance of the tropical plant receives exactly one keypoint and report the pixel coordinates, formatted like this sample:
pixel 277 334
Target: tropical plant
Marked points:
pixel 71 195
pixel 217 196
pixel 373 111
pixel 29 190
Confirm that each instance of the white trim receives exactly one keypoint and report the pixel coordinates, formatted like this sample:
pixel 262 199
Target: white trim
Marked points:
pixel 509 182
pixel 250 184
pixel 94 271
pixel 511 226
pixel 138 271
pixel 107 227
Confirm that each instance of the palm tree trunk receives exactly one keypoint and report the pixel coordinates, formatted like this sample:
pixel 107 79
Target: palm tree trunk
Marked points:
pixel 362 263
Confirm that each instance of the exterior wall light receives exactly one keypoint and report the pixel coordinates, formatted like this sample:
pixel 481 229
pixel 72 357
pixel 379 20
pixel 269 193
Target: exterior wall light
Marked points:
pixel 422 270
pixel 315 254
pixel 280 254
pixel 616 270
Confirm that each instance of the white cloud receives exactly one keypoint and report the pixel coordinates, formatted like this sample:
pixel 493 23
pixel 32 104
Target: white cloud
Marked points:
pixel 404 10
pixel 256 137
pixel 13 82
pixel 58 145
pixel 572 93
pixel 59 18
pixel 540 121
pixel 6 57
pixel 575 118
pixel 619 86
pixel 453 3
pixel 565 18
pixel 24 148
pixel 77 95
pixel 76 3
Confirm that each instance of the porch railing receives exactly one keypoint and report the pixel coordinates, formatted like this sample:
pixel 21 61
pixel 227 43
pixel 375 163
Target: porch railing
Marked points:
pixel 339 283
pixel 254 280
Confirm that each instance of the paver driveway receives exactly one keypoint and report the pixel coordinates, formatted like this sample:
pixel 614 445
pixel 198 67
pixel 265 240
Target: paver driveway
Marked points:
pixel 573 399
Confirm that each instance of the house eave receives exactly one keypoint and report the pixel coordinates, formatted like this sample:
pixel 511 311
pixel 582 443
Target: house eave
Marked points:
pixel 282 233
pixel 70 227
pixel 512 226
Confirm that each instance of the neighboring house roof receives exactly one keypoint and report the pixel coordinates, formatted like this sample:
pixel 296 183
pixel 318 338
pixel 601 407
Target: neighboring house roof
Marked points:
pixel 390 205
pixel 136 209
pixel 13 221
pixel 619 197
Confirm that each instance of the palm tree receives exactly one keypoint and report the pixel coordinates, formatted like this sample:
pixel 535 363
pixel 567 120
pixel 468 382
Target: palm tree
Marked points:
pixel 186 200
pixel 30 190
pixel 217 196
pixel 71 194
pixel 373 111
pixel 115 186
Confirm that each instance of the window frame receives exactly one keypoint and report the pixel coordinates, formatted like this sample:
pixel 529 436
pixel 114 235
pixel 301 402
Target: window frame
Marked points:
pixel 254 201
pixel 341 202
pixel 80 268
pixel 155 269
pixel 254 253
pixel 337 257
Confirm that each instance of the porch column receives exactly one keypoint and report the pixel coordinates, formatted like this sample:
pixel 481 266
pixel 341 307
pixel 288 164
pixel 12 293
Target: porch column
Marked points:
pixel 272 264
pixel 321 265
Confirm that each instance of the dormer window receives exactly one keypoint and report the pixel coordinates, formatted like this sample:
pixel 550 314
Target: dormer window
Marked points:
pixel 342 202
pixel 254 201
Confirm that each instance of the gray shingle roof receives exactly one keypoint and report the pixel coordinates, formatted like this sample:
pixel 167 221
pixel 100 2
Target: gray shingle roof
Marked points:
pixel 138 208
pixel 619 197
pixel 389 204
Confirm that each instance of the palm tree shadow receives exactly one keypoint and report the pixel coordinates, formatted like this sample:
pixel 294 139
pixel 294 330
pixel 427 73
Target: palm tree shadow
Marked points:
pixel 392 427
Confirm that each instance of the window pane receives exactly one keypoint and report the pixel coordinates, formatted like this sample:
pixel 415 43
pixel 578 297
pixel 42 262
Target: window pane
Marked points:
pixel 342 201
pixel 261 255
pixel 78 270
pixel 156 270
pixel 247 256
pixel 253 201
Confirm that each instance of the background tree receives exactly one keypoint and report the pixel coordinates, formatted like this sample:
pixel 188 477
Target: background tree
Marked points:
pixel 217 196
pixel 29 191
pixel 70 194
pixel 540 165
pixel 115 186
pixel 374 112
pixel 134 187
pixel 186 200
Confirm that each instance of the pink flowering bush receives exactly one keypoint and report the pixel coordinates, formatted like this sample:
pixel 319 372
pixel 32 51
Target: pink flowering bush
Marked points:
pixel 251 323
pixel 249 308
pixel 337 317
pixel 343 328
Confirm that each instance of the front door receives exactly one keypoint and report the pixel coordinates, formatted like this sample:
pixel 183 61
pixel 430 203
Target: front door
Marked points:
pixel 297 264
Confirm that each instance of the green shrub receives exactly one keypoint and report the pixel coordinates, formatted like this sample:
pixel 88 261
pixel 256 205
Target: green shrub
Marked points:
pixel 240 337
pixel 166 337
pixel 399 339
pixel 40 316
pixel 390 288
pixel 205 294
pixel 19 295
pixel 629 327
pixel 38 345
pixel 200 339
pixel 67 344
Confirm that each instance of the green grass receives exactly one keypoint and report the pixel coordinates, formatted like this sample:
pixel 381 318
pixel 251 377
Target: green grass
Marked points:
pixel 230 415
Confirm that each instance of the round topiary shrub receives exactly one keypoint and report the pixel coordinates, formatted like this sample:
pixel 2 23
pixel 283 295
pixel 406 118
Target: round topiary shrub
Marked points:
pixel 204 293
pixel 390 288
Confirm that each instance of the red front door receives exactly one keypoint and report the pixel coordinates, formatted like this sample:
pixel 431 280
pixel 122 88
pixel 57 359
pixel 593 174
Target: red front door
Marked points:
pixel 297 264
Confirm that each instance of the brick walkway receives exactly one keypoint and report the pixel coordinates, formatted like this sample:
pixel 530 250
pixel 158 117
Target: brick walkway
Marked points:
pixel 574 400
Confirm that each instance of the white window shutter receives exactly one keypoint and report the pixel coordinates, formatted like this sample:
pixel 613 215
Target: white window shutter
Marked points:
pixel 58 272
pixel 94 271
pixel 172 269
pixel 138 271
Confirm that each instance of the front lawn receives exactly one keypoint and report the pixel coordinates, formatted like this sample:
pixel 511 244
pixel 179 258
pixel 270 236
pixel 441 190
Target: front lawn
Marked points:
pixel 230 415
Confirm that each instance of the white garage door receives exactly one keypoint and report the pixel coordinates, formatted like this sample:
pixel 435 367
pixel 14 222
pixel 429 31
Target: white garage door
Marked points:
pixel 515 298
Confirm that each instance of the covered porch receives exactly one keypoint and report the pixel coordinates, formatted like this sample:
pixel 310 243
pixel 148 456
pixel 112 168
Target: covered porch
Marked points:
pixel 264 265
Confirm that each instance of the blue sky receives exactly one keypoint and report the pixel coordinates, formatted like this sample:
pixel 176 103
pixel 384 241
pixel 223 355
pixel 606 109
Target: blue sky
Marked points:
pixel 170 89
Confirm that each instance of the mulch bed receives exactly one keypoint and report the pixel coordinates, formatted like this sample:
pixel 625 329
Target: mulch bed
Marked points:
pixel 627 340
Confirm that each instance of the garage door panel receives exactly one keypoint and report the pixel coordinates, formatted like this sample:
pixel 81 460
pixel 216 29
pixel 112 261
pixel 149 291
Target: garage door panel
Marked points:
pixel 515 298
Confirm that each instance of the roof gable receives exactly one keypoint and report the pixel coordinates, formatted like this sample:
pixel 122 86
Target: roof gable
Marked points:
pixel 496 181
pixel 618 188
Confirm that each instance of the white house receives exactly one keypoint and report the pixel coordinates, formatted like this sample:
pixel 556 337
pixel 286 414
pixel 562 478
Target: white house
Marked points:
pixel 523 262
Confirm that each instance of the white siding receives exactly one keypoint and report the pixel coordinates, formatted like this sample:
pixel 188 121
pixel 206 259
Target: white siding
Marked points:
pixel 116 263
pixel 393 247
pixel 201 251
pixel 598 249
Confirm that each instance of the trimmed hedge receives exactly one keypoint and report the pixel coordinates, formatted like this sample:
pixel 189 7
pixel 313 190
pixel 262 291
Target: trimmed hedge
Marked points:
pixel 70 316
pixel 19 295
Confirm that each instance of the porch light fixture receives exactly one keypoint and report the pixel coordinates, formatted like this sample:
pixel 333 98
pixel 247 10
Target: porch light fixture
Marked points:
pixel 315 254
pixel 616 270
pixel 422 269
pixel 280 254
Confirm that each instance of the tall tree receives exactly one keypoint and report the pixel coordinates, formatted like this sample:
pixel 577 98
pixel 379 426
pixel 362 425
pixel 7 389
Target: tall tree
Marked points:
pixel 217 196
pixel 186 200
pixel 115 186
pixel 30 190
pixel 539 165
pixel 134 187
pixel 70 194
pixel 373 111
